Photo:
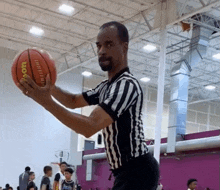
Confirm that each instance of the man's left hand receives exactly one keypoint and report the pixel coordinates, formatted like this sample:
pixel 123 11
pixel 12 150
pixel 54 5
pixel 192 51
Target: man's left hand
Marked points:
pixel 42 95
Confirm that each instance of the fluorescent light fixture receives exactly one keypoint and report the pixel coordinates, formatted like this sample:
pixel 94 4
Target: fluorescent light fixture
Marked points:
pixel 216 56
pixel 145 79
pixel 150 47
pixel 36 31
pixel 86 73
pixel 66 9
pixel 210 87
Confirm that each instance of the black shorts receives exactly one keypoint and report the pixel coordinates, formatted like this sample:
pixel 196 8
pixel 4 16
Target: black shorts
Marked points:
pixel 141 173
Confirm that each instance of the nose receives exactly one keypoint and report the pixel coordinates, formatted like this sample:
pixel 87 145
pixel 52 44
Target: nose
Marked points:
pixel 102 51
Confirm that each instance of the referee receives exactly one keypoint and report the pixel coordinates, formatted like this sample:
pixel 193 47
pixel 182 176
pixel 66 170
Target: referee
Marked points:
pixel 118 114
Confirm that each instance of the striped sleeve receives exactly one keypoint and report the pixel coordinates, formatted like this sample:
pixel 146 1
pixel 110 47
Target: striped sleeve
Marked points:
pixel 92 96
pixel 121 96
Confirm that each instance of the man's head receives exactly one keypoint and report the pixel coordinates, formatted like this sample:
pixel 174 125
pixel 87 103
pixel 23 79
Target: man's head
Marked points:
pixel 27 169
pixel 31 176
pixel 63 166
pixel 7 186
pixel 68 173
pixel 30 187
pixel 192 183
pixel 0 188
pixel 48 171
pixel 10 188
pixel 112 45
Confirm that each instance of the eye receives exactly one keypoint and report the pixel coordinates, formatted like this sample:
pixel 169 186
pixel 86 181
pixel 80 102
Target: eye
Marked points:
pixel 109 45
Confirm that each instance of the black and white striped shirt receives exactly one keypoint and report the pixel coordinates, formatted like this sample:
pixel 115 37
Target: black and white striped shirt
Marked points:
pixel 122 99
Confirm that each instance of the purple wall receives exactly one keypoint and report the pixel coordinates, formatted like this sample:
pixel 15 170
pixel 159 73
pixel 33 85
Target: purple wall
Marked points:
pixel 175 169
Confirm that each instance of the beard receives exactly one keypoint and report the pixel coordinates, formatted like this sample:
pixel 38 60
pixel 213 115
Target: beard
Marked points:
pixel 106 65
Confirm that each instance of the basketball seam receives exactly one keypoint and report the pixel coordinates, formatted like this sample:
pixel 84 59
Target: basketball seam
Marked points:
pixel 29 57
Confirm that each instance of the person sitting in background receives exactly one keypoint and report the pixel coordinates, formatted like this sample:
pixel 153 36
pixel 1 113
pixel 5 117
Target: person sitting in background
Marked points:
pixel 45 182
pixel 68 183
pixel 23 178
pixel 6 186
pixel 59 176
pixel 18 188
pixel 191 184
pixel 0 188
pixel 10 188
pixel 31 180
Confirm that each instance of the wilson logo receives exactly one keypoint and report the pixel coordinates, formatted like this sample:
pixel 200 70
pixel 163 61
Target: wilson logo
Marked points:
pixel 24 69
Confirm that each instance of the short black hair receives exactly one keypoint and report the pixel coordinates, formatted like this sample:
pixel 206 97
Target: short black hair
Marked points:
pixel 27 169
pixel 122 30
pixel 47 168
pixel 190 181
pixel 7 185
pixel 63 163
pixel 31 185
pixel 70 170
pixel 30 173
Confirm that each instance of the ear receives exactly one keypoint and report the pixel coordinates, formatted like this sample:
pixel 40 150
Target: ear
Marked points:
pixel 125 47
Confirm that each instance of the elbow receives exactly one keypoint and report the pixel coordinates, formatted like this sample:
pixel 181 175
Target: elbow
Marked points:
pixel 91 131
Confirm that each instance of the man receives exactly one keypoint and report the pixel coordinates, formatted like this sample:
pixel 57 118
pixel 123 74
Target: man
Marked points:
pixel 23 178
pixel 45 182
pixel 67 183
pixel 59 176
pixel 118 114
pixel 31 181
pixel 31 187
pixel 191 184
pixel 6 186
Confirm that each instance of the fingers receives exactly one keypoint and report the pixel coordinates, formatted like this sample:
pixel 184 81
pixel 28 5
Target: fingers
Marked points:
pixel 31 83
pixel 23 89
pixel 25 86
pixel 48 81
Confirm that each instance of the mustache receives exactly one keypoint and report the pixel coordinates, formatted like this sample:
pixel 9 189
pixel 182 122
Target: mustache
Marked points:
pixel 102 59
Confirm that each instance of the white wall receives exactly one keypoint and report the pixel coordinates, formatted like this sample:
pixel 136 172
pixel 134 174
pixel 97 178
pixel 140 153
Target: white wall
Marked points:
pixel 29 135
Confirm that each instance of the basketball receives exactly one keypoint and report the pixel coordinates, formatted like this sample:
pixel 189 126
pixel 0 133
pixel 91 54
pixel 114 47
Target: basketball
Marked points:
pixel 37 64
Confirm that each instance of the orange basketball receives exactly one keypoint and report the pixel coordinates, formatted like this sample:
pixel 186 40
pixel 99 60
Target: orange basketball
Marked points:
pixel 35 63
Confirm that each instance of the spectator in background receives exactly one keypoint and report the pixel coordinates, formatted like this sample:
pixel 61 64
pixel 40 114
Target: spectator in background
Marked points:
pixel 191 184
pixel 18 188
pixel 30 187
pixel 31 180
pixel 59 176
pixel 0 188
pixel 23 178
pixel 45 182
pixel 10 188
pixel 67 183
pixel 6 186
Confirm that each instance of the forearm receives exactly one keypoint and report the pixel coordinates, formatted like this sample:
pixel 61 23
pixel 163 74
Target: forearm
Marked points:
pixel 78 123
pixel 63 97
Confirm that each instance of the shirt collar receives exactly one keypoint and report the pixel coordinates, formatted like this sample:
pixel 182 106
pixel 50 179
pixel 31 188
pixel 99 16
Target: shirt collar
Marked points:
pixel 126 69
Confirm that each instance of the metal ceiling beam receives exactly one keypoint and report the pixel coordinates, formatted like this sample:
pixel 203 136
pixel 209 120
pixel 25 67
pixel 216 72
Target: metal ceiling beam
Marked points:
pixel 22 4
pixel 188 15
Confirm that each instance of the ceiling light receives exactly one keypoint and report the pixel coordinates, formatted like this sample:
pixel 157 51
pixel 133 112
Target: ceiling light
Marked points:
pixel 145 79
pixel 210 87
pixel 86 73
pixel 66 9
pixel 216 56
pixel 36 31
pixel 150 48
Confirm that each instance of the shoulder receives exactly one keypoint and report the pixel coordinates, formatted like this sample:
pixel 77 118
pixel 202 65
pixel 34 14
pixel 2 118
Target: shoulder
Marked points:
pixel 131 80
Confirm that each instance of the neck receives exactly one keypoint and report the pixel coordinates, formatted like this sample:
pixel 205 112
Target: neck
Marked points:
pixel 115 70
pixel 68 179
pixel 46 175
